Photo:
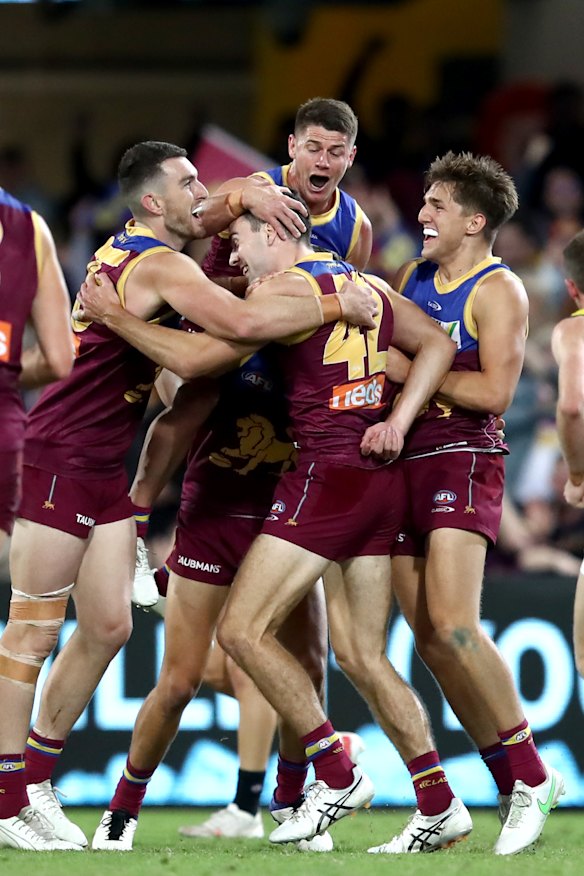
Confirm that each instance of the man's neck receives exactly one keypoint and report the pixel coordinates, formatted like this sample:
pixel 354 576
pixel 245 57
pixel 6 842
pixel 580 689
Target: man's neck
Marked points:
pixel 161 232
pixel 462 262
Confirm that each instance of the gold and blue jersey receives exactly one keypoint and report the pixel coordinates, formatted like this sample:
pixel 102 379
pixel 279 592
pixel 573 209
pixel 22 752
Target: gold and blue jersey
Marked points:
pixel 338 229
pixel 442 427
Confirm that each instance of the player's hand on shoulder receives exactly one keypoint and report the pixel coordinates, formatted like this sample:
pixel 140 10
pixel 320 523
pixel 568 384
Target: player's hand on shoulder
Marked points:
pixel 383 440
pixel 97 298
pixel 358 306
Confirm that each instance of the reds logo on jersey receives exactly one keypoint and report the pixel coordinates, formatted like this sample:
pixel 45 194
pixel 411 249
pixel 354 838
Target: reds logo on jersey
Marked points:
pixel 5 338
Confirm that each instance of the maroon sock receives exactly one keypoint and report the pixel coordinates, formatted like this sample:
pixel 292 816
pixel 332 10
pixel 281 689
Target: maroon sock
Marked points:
pixel 131 789
pixel 41 757
pixel 290 780
pixel 13 796
pixel 161 577
pixel 433 793
pixel 524 760
pixel 496 760
pixel 331 762
pixel 142 518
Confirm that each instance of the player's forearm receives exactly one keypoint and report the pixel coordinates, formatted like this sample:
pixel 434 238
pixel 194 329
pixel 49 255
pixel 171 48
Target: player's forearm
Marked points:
pixel 426 372
pixel 38 371
pixel 218 211
pixel 477 391
pixel 272 318
pixel 571 434
pixel 188 355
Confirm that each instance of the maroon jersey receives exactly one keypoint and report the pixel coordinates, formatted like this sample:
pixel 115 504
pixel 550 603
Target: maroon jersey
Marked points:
pixel 86 423
pixel 441 427
pixel 335 378
pixel 18 285
pixel 235 468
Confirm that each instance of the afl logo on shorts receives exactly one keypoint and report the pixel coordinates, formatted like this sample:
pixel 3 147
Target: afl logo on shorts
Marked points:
pixel 444 497
pixel 278 507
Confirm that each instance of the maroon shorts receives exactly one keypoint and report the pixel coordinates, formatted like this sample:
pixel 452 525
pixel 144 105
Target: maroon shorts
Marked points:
pixel 211 548
pixel 71 504
pixel 458 490
pixel 10 483
pixel 337 511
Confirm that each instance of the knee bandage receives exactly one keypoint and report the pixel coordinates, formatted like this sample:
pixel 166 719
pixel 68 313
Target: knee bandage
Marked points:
pixel 35 610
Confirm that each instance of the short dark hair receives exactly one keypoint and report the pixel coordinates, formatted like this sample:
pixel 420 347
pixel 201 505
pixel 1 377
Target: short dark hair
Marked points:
pixel 479 183
pixel 574 260
pixel 334 115
pixel 256 223
pixel 140 164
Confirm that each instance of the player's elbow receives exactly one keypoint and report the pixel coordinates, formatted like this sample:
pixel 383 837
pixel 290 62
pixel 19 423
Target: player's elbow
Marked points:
pixel 247 327
pixel 188 368
pixel 497 401
pixel 60 363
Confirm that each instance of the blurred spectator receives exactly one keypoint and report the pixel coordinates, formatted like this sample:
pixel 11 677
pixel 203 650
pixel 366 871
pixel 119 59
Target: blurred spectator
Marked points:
pixel 17 177
pixel 393 243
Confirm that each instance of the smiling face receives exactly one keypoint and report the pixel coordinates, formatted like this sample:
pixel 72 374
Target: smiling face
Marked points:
pixel 253 249
pixel 320 160
pixel 446 224
pixel 180 194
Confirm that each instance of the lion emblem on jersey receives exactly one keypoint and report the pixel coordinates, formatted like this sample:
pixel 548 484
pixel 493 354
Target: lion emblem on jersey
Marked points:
pixel 257 444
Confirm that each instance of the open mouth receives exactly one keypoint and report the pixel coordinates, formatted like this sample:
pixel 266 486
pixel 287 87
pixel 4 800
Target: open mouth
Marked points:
pixel 429 233
pixel 317 181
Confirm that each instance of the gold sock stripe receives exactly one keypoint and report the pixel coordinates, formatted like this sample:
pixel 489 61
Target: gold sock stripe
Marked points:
pixel 518 737
pixel 428 772
pixel 322 745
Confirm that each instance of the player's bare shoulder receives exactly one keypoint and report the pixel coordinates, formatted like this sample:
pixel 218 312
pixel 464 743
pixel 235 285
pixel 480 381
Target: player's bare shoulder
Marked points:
pixel 501 293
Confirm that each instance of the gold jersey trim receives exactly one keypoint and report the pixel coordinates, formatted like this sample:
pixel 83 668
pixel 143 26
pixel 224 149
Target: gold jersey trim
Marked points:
pixel 579 312
pixel 356 232
pixel 38 243
pixel 443 288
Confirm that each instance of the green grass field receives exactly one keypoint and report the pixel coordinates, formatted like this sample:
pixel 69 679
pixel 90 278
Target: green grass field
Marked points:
pixel 160 850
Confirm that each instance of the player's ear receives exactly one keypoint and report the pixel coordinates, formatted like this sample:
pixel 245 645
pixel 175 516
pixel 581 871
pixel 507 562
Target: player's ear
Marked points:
pixel 151 203
pixel 271 233
pixel 291 145
pixel 476 223
pixel 573 290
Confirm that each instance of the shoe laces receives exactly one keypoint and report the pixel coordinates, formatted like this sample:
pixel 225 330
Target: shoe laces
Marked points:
pixel 520 802
pixel 50 799
pixel 142 563
pixel 38 823
pixel 312 794
pixel 116 823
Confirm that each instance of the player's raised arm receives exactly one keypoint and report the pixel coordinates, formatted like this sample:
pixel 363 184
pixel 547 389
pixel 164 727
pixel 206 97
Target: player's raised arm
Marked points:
pixel 265 200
